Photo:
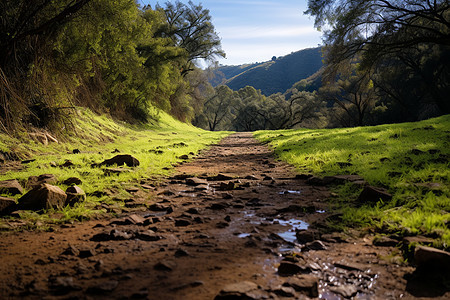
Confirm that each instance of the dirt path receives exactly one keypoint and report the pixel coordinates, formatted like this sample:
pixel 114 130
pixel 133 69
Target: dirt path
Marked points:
pixel 234 222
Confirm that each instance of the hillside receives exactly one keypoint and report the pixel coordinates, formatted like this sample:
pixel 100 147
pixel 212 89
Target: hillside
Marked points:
pixel 273 76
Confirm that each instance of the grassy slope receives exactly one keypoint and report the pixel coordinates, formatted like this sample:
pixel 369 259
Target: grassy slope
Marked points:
pixel 411 160
pixel 96 137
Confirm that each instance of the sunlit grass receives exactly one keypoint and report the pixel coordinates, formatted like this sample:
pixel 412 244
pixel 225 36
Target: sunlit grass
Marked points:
pixel 97 137
pixel 410 160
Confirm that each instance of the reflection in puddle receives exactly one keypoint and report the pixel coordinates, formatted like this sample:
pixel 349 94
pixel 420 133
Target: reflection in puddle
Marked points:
pixel 243 235
pixel 294 224
pixel 320 211
pixel 287 192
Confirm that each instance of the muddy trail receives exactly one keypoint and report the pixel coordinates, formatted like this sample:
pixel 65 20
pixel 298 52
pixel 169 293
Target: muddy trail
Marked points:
pixel 232 224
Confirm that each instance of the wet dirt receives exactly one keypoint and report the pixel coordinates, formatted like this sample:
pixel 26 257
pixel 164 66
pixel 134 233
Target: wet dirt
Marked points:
pixel 236 221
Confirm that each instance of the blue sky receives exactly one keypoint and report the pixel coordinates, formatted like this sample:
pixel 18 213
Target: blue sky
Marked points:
pixel 255 30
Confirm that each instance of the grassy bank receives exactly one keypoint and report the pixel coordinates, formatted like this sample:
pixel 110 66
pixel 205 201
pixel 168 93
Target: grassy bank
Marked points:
pixel 158 147
pixel 410 160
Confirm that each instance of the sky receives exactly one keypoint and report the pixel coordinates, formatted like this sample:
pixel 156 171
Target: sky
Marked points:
pixel 256 30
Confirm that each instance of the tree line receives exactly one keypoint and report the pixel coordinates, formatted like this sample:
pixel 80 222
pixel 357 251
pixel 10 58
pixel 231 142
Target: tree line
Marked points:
pixel 110 55
pixel 386 61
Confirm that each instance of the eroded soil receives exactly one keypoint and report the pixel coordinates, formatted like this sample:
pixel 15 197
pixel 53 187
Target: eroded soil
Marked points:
pixel 197 236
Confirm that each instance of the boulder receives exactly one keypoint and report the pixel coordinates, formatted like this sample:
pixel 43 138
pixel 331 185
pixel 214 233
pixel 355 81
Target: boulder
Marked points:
pixel 121 159
pixel 45 196
pixel 7 206
pixel 74 195
pixel 431 258
pixel 372 195
pixel 10 187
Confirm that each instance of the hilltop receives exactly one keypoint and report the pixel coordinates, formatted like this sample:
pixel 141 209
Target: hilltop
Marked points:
pixel 275 76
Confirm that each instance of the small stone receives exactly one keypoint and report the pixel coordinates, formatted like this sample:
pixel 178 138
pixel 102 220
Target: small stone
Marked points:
pixel 86 252
pixel 285 291
pixel 237 291
pixel 305 236
pixel 316 245
pixel 120 160
pixel 10 187
pixel 72 181
pixel 105 287
pixel 165 266
pixel 148 236
pixel 289 269
pixel 74 195
pixel 372 195
pixel 181 253
pixel 7 206
pixel 384 241
pixel 194 181
pixel 182 222
pixel 346 291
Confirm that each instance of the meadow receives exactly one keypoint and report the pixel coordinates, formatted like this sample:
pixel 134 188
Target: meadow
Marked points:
pixel 410 160
pixel 159 146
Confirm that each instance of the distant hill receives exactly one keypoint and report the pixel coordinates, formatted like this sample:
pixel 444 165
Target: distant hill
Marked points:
pixel 272 76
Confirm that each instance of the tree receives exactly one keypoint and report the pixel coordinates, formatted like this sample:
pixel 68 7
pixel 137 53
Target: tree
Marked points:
pixel 190 28
pixel 379 28
pixel 219 109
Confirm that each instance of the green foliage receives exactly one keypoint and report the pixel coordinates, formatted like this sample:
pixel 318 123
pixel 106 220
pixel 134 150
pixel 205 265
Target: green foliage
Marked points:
pixel 106 55
pixel 411 160
pixel 156 146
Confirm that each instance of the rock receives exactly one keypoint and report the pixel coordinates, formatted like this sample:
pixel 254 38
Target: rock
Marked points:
pixel 346 291
pixel 67 164
pixel 10 187
pixel 71 250
pixel 372 195
pixel 181 253
pixel 220 177
pixel 148 236
pixel 104 287
pixel 285 291
pixel 238 290
pixel 120 160
pixel 45 196
pixel 431 258
pixel 136 220
pixel 76 151
pixel 7 206
pixel 409 244
pixel 86 252
pixel 165 266
pixel 218 206
pixel 113 235
pixel 288 269
pixel 35 181
pixel 384 241
pixel 115 171
pixel 194 181
pixel 182 222
pixel 72 181
pixel 305 284
pixel 74 195
pixel 227 186
pixel 306 236
pixel 315 245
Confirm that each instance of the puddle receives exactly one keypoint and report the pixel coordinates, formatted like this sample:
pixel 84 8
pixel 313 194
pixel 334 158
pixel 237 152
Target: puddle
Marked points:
pixel 243 235
pixel 294 224
pixel 287 192
pixel 320 211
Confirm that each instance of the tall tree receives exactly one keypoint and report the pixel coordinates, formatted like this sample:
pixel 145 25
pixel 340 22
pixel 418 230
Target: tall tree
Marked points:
pixel 190 28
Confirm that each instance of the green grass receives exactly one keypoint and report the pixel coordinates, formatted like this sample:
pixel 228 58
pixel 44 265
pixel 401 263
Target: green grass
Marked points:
pixel 410 160
pixel 97 137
